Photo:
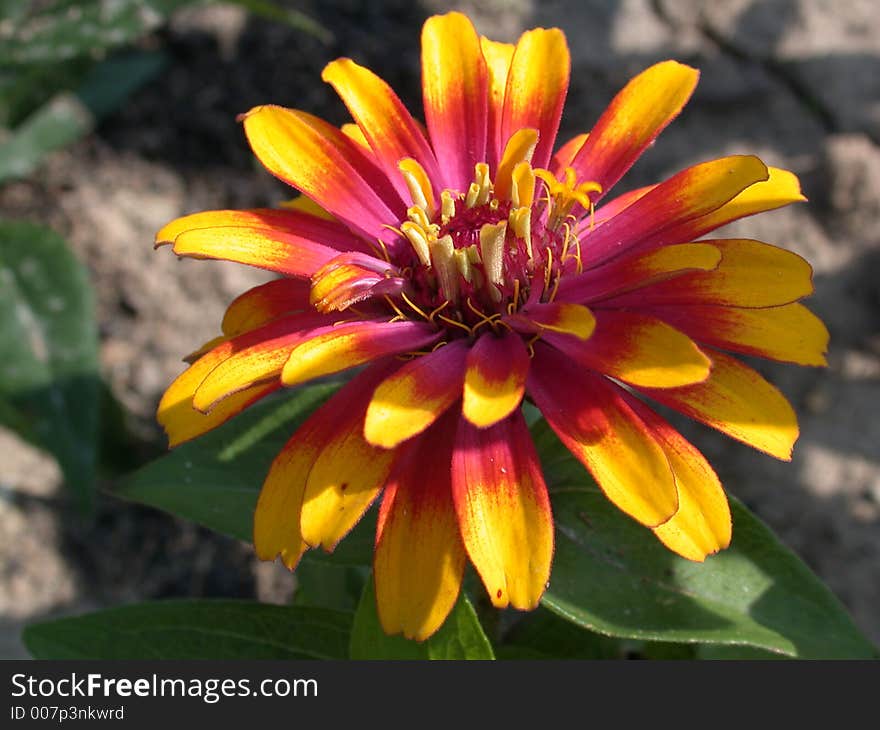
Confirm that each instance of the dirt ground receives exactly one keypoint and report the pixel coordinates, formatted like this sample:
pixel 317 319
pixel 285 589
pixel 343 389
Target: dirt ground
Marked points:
pixel 795 81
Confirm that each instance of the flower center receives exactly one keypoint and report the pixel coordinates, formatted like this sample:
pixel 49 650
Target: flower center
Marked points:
pixel 480 254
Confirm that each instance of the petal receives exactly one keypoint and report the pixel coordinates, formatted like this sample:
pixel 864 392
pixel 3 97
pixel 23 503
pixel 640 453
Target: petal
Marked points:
pixel 780 189
pixel 495 380
pixel 303 223
pixel 287 242
pixel 565 154
pixel 323 163
pixel 264 303
pixel 305 204
pixel 562 317
pixel 750 274
pixel 455 85
pixel 628 273
pixel 276 517
pixel 616 205
pixel 497 56
pixel 791 333
pixel 176 413
pixel 387 125
pixel 347 473
pixel 693 192
pixel 633 120
pixel 336 348
pixel 536 87
pixel 503 510
pixel 702 525
pixel 350 278
pixel 411 399
pixel 637 349
pixel 737 401
pixel 279 508
pixel 419 558
pixel 595 423
pixel 255 357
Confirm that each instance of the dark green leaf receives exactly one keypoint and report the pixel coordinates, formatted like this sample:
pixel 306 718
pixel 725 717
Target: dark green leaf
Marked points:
pixel 49 382
pixel 207 629
pixel 215 480
pixel 543 634
pixel 460 637
pixel 612 576
pixel 329 586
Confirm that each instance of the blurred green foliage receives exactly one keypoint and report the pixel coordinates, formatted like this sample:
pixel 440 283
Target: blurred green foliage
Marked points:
pixel 66 64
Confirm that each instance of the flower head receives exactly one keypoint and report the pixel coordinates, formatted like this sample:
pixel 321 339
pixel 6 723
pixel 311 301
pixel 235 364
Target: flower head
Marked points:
pixel 469 264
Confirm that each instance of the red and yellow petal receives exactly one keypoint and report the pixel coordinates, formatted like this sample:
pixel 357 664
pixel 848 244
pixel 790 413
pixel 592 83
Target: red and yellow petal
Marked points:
pixel 750 274
pixel 455 86
pixel 691 193
pixel 351 278
pixel 790 333
pixel 347 473
pixel 560 317
pixel 277 515
pixel 497 56
pixel 633 120
pixel 781 188
pixel 328 232
pixel 324 164
pixel 503 510
pixel 537 83
pixel 495 378
pixel 737 401
pixel 592 419
pixel 628 273
pixel 415 396
pixel 176 413
pixel 339 347
pixel 702 526
pixel 287 242
pixel 638 349
pixel 388 127
pixel 564 156
pixel 264 303
pixel 254 357
pixel 419 558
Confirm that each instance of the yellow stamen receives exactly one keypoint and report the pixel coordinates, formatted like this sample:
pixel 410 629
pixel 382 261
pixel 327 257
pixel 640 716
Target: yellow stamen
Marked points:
pixel 563 194
pixel 519 150
pixel 522 185
pixel 419 185
pixel 417 237
pixel 413 306
pixel 447 272
pixel 492 250
pixel 400 315
pixel 454 323
pixel 447 207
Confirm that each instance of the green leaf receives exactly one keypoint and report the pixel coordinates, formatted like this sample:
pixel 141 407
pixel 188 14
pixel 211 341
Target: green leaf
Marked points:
pixel 59 122
pixel 460 637
pixel 329 586
pixel 61 30
pixel 541 634
pixel 612 576
pixel 49 383
pixel 207 629
pixel 215 479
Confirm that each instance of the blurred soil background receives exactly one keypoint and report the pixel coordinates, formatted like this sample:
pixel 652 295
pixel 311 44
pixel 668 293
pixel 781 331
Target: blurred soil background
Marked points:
pixel 794 81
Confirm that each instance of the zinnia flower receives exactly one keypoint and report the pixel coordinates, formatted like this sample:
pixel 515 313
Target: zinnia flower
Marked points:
pixel 470 263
